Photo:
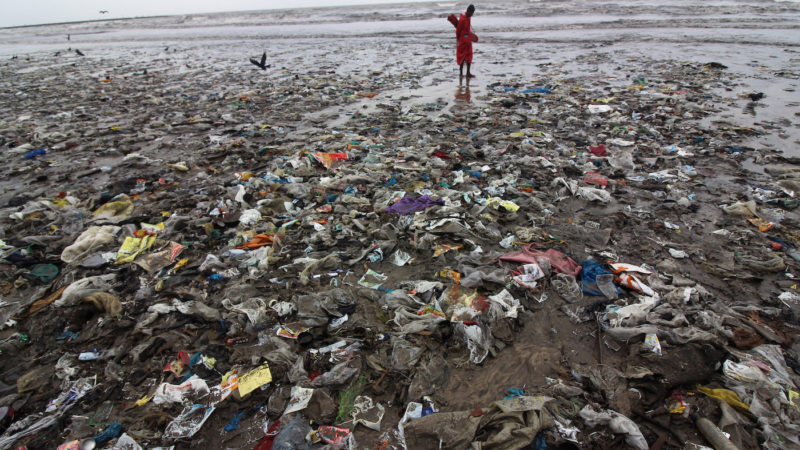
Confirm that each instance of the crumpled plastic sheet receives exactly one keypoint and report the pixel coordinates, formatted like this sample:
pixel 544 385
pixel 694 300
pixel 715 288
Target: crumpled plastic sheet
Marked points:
pixel 410 322
pixel 399 298
pixel 255 308
pixel 404 355
pixel 774 356
pixel 67 398
pixel 336 376
pixel 93 238
pixel 631 315
pixel 511 306
pixel 477 341
pixel 778 430
pixel 559 262
pixel 125 442
pixel 57 407
pixel 300 397
pixel 8 440
pixel 194 387
pixel 188 422
pixel 429 377
pixel 674 336
pixel 477 276
pixel 410 204
pixel 75 292
pixel 566 431
pixel 591 270
pixel 586 193
pixel 366 412
pixel 292 435
pixel 617 423
pixel 512 423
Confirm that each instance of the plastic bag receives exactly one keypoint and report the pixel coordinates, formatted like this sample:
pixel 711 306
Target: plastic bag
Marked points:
pixel 404 355
pixel 293 435
pixel 90 240
pixel 559 262
pixel 747 208
pixel 189 422
pixel 76 291
pixel 725 395
pixel 255 308
pixel 367 413
pixel 511 306
pixel 115 211
pixel 591 269
pixel 300 397
pixel 617 423
pixel 125 442
pixel 77 389
pixel 477 342
pixel 338 375
pixel 177 393
pixel 652 344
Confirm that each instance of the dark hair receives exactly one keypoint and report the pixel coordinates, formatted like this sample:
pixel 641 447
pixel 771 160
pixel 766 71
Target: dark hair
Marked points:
pixel 471 8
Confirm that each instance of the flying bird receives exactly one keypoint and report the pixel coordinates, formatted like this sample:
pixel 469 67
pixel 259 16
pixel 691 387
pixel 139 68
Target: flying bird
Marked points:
pixel 263 64
pixel 103 11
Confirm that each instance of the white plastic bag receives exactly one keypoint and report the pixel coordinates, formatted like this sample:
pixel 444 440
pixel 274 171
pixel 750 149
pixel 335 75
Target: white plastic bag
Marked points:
pixel 617 423
pixel 195 387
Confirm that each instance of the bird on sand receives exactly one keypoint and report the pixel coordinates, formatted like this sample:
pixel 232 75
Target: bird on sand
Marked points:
pixel 263 64
pixel 80 53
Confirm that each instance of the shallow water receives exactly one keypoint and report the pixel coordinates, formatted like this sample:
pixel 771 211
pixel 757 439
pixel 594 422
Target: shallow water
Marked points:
pixel 758 40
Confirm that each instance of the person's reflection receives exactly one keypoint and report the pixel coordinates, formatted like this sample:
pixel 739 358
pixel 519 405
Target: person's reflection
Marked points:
pixel 462 93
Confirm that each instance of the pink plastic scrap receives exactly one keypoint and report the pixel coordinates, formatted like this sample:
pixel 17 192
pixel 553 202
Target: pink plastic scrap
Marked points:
pixel 559 262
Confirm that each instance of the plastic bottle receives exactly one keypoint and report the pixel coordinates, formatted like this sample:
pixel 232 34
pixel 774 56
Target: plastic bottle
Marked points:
pixel 605 283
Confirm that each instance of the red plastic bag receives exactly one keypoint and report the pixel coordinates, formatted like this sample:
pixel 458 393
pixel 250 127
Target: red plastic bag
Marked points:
pixel 600 150
pixel 559 262
pixel 595 178
pixel 333 435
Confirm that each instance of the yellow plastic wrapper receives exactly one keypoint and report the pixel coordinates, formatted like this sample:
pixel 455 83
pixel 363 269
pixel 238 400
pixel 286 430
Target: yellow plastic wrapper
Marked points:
pixel 762 224
pixel 444 248
pixel 142 401
pixel 496 202
pixel 115 211
pixel 132 247
pixel 254 379
pixel 726 395
pixel 452 274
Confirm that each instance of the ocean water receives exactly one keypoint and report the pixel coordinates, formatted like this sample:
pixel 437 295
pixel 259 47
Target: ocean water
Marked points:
pixel 759 41
pixel 747 22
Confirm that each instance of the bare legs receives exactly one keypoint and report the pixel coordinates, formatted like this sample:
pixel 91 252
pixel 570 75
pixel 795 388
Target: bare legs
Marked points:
pixel 461 71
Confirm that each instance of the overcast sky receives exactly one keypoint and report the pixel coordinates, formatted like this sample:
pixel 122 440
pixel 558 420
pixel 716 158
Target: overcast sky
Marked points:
pixel 30 12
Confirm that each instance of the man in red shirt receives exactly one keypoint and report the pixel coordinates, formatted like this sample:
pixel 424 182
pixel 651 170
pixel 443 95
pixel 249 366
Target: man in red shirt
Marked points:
pixel 465 37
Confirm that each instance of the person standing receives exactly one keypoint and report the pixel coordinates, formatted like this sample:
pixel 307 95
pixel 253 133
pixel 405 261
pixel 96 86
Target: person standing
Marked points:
pixel 465 37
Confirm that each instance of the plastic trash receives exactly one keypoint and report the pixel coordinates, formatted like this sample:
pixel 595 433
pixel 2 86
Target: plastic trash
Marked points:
pixel 188 422
pixel 617 423
pixel 590 281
